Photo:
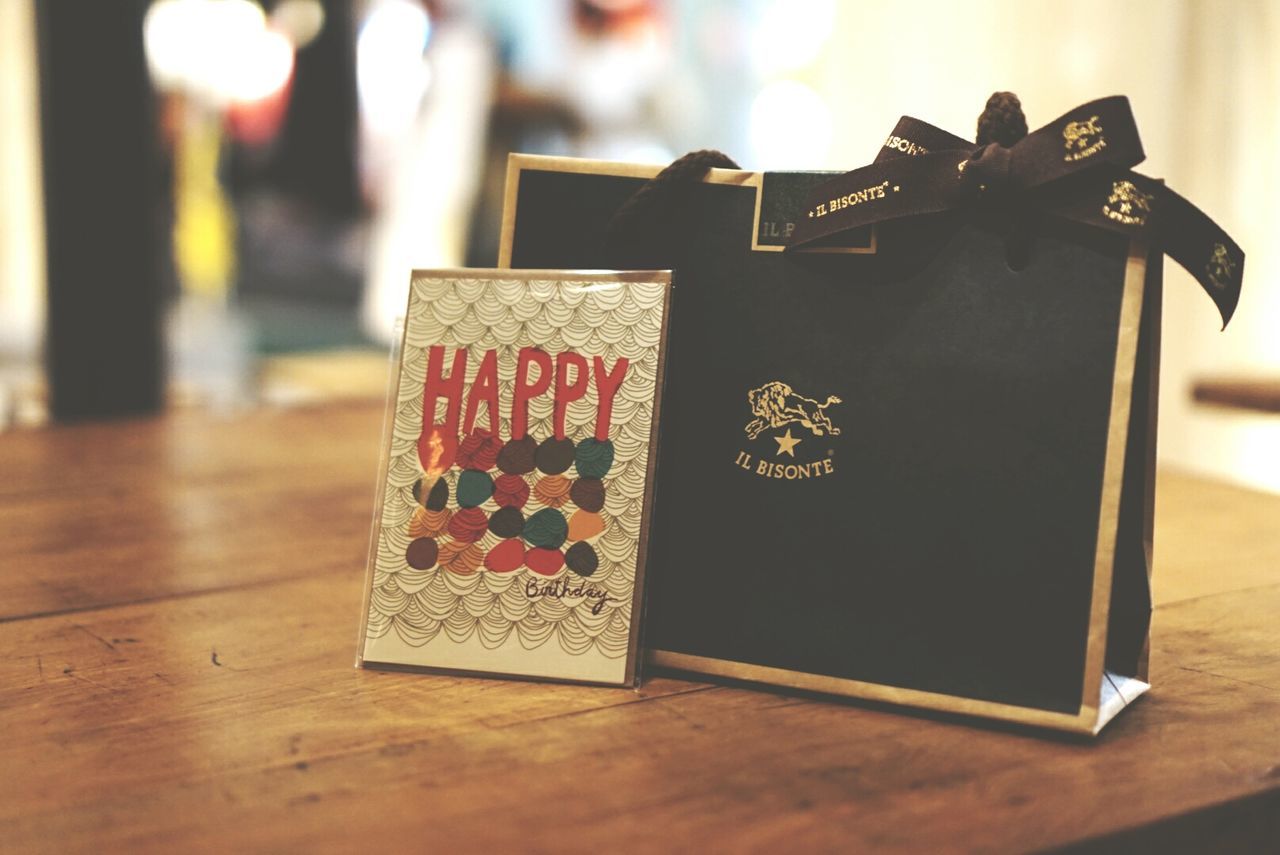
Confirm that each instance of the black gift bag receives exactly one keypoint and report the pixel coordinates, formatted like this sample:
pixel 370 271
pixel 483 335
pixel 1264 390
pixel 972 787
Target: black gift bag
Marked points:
pixel 912 462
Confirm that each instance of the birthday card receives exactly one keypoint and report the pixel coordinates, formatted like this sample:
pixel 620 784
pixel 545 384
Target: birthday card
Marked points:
pixel 510 531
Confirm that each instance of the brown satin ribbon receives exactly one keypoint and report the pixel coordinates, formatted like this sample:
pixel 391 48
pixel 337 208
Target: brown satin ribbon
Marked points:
pixel 1077 167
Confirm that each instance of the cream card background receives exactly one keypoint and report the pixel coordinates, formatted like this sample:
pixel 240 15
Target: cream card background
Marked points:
pixel 485 621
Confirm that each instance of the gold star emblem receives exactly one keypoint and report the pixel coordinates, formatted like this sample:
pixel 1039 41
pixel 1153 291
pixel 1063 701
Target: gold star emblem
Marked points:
pixel 787 443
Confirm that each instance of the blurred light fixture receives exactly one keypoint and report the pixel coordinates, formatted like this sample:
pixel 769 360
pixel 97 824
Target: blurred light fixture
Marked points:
pixel 219 51
pixel 264 68
pixel 300 20
pixel 390 72
pixel 790 34
pixel 790 127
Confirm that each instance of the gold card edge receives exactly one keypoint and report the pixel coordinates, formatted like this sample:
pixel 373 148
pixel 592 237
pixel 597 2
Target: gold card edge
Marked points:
pixel 541 274
pixel 661 277
pixel 406 668
pixel 394 373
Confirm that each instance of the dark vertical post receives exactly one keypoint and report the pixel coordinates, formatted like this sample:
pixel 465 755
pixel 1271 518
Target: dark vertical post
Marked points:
pixel 315 158
pixel 103 342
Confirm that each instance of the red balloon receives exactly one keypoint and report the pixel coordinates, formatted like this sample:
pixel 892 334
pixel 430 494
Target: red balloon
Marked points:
pixel 511 491
pixel 479 450
pixel 544 562
pixel 506 556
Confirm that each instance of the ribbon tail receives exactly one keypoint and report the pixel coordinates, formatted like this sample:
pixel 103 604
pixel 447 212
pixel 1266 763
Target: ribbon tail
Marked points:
pixel 1132 204
pixel 1190 237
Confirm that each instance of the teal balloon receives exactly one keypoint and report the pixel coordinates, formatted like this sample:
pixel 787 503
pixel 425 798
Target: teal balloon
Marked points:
pixel 593 457
pixel 474 488
pixel 547 528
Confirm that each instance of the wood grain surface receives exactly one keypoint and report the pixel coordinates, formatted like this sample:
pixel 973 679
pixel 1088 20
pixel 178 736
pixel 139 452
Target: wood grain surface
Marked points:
pixel 180 602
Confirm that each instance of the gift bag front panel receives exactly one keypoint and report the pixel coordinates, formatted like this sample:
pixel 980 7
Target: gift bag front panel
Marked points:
pixel 885 469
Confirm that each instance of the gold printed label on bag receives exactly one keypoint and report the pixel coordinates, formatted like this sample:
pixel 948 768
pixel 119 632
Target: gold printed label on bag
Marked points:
pixel 785 414
pixel 1221 268
pixel 1083 139
pixel 858 197
pixel 1127 204
pixel 784 198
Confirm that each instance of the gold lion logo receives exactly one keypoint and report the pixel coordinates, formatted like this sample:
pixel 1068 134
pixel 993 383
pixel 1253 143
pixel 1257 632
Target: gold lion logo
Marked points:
pixel 1221 269
pixel 1079 134
pixel 776 405
pixel 1127 204
pixel 1083 139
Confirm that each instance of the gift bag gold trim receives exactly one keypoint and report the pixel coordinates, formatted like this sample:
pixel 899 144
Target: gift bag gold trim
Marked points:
pixel 1092 715
pixel 1135 278
pixel 516 163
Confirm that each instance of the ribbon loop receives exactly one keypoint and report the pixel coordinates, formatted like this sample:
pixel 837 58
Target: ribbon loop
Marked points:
pixel 1076 167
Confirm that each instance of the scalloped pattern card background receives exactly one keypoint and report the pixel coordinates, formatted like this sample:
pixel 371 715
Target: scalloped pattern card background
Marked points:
pixel 518 555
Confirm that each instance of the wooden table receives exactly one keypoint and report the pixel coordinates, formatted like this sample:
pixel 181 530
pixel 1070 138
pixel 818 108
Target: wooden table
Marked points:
pixel 178 614
pixel 1238 393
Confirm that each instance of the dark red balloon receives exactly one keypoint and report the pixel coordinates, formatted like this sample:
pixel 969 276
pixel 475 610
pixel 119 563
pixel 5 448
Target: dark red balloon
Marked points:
pixel 468 525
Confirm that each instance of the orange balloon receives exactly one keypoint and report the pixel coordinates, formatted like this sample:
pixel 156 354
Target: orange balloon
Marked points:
pixel 584 525
pixel 552 490
pixel 460 558
pixel 427 523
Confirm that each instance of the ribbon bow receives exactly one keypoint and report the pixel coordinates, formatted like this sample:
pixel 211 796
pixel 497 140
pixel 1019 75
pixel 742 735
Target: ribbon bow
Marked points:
pixel 1078 167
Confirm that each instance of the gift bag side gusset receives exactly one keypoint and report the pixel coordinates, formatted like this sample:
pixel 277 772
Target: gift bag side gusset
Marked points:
pixel 1131 602
pixel 507 564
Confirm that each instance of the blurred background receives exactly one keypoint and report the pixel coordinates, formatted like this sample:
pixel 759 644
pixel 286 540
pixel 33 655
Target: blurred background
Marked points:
pixel 214 203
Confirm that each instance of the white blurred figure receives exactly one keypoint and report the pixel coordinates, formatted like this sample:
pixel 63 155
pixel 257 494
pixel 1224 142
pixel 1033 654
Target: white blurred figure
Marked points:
pixel 426 75
pixel 605 63
pixel 613 75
